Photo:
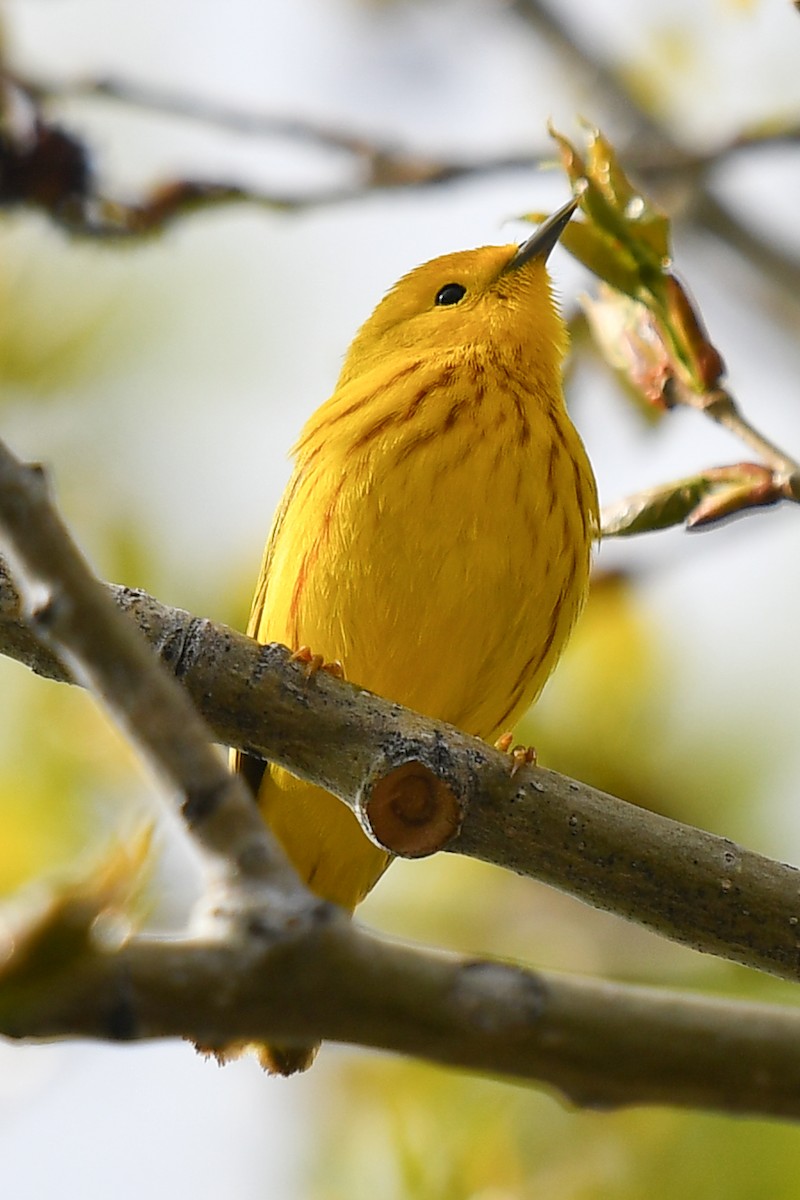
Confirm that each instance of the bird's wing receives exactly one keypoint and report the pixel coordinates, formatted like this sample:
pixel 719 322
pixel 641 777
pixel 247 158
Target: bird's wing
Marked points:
pixel 249 766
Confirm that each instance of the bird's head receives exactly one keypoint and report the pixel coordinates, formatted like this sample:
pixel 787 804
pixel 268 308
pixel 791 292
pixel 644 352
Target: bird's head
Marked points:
pixel 496 297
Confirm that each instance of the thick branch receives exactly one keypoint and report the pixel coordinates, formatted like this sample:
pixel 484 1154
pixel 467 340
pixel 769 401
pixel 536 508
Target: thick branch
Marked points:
pixel 599 1044
pixel 684 883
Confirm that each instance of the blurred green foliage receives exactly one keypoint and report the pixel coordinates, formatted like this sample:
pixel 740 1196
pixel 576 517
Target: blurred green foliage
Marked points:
pixel 68 780
pixel 611 716
pixel 410 1132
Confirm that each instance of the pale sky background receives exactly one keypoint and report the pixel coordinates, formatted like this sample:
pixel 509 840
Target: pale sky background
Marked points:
pixel 243 319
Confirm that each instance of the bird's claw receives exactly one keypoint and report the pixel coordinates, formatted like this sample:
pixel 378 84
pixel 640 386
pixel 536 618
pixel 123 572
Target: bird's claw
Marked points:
pixel 521 756
pixel 315 662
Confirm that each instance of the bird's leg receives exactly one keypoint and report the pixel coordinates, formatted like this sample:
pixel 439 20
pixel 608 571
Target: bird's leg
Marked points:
pixel 315 662
pixel 521 756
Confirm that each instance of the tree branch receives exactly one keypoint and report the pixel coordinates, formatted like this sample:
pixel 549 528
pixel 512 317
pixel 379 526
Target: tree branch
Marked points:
pixel 688 885
pixel 70 612
pixel 599 1044
pixel 46 166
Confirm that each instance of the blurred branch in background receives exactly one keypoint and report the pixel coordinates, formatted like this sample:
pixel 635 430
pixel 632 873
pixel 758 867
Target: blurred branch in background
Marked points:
pixel 36 151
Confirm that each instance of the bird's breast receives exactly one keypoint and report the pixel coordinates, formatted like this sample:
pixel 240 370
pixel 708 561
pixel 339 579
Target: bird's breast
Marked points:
pixel 442 551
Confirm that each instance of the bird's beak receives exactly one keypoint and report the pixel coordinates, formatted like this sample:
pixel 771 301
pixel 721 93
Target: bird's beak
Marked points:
pixel 540 243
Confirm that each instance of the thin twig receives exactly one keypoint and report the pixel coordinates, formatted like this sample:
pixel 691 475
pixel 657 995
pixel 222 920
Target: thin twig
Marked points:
pixel 716 493
pixel 383 164
pixel 721 407
pixel 35 155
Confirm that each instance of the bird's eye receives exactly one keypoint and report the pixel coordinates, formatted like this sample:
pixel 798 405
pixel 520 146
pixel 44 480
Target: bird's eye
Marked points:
pixel 451 293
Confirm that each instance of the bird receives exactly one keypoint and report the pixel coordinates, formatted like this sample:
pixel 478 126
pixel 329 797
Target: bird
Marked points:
pixel 436 533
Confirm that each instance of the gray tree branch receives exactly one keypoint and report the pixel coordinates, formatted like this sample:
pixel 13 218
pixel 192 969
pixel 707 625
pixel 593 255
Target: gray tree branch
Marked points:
pixel 598 1044
pixel 72 614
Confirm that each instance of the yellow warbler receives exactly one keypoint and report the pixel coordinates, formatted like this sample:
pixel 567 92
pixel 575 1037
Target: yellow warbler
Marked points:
pixel 436 532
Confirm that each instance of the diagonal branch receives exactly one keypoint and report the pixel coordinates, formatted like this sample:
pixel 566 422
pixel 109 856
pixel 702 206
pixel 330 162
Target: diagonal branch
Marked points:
pixel 69 611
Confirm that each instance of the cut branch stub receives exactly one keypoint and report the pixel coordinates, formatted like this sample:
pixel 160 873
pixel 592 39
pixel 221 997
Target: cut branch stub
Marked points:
pixel 410 810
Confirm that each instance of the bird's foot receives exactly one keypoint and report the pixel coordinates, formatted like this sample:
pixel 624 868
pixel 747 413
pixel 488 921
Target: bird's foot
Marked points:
pixel 521 756
pixel 315 662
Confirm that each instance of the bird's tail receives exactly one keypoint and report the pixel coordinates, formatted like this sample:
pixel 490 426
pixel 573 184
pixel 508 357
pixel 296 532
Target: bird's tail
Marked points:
pixel 287 1060
pixel 330 852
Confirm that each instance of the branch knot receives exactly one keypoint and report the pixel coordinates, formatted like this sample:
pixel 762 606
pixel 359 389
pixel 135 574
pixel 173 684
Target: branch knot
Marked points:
pixel 410 810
